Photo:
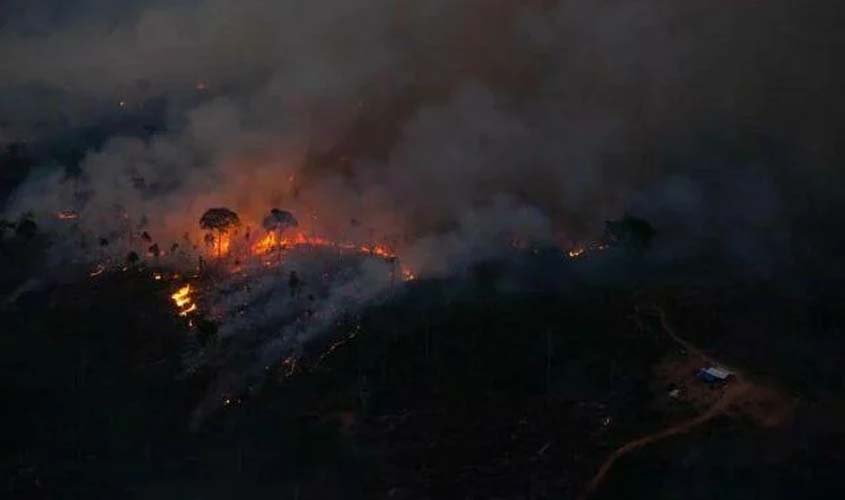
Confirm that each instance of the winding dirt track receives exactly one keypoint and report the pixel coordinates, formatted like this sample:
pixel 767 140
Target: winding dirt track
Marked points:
pixel 664 323
pixel 730 396
pixel 732 393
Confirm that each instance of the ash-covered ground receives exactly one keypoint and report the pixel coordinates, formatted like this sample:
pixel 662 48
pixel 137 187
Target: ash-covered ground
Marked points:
pixel 515 379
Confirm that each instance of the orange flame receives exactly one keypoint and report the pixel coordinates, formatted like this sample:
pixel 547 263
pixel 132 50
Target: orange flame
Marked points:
pixel 184 302
pixel 271 242
pixel 408 275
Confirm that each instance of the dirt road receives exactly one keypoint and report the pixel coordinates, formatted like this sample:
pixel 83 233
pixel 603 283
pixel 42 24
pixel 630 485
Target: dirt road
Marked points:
pixel 664 323
pixel 731 394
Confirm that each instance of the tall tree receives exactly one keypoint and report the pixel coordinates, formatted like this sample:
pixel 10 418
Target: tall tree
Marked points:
pixel 279 221
pixel 220 220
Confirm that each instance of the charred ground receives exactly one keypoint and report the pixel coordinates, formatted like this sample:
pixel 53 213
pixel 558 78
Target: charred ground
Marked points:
pixel 496 384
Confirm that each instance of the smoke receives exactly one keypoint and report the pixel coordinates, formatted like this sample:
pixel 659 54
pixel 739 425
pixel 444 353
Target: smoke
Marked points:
pixel 266 318
pixel 403 116
pixel 450 128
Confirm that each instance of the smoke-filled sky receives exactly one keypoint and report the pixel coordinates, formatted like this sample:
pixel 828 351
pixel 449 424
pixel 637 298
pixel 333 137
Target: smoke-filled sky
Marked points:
pixel 447 122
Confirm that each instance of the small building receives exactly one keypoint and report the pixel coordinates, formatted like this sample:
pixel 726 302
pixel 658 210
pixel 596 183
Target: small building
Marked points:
pixel 714 375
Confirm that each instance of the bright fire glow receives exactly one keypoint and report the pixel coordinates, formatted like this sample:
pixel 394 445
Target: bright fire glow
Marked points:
pixel 408 275
pixel 218 244
pixel 183 300
pixel 576 252
pixel 189 310
pixel 272 242
pixel 182 296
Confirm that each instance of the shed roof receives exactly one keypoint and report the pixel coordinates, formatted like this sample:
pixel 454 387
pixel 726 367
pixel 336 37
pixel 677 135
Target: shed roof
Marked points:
pixel 717 372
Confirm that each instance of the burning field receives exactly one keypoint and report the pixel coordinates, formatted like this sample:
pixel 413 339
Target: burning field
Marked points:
pixel 255 296
pixel 263 291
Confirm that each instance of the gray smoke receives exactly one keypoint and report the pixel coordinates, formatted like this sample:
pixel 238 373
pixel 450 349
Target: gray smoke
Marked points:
pixel 410 117
pixel 450 128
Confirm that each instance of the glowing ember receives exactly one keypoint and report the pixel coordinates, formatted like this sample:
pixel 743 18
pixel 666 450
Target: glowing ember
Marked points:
pixel 182 296
pixel 265 244
pixel 336 345
pixel 189 310
pixel 408 275
pixel 583 250
pixel 183 300
pixel 379 250
pixel 218 245
pixel 272 242
pixel 67 215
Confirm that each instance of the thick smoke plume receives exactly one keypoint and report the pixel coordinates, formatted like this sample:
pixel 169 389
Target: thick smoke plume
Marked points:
pixel 539 117
pixel 450 129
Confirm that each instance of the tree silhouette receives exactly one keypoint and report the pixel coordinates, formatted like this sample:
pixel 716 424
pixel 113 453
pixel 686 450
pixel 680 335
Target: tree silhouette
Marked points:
pixel 632 233
pixel 278 221
pixel 220 220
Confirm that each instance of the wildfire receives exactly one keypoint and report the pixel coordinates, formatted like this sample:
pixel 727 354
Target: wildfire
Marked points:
pixel 218 244
pixel 189 310
pixel 271 242
pixel 336 345
pixel 67 215
pixel 183 300
pixel 581 250
pixel 408 275
pixel 379 250
pixel 182 296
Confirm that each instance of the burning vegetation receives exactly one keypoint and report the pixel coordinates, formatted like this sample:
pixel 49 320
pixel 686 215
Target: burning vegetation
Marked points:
pixel 267 285
pixel 221 221
pixel 225 242
pixel 184 301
